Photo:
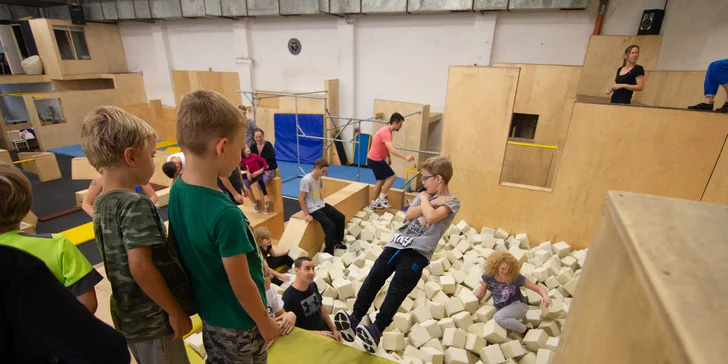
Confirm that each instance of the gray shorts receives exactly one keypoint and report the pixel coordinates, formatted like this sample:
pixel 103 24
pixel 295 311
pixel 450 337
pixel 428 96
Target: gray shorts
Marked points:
pixel 231 346
pixel 160 351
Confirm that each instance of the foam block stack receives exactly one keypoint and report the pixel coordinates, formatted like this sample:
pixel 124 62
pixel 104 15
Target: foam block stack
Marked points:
pixel 441 320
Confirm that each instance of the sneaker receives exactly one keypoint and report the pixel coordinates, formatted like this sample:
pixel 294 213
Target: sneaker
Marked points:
pixel 346 324
pixel 723 109
pixel 375 204
pixel 267 208
pixel 370 336
pixel 341 246
pixel 257 208
pixel 701 106
pixel 384 203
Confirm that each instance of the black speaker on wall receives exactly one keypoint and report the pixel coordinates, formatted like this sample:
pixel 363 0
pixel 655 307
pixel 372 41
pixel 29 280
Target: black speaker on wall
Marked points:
pixel 651 22
pixel 76 11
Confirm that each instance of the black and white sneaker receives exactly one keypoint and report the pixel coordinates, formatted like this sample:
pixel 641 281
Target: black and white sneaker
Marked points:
pixel 370 336
pixel 346 324
pixel 384 203
pixel 375 204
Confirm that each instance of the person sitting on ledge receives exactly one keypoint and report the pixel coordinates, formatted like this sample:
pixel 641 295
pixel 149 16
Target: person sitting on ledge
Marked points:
pixel 717 75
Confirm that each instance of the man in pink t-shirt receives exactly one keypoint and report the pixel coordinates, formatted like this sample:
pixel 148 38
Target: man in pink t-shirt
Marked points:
pixel 379 160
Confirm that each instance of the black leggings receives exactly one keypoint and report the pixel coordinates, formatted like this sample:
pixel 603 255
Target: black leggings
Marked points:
pixel 333 222
pixel 261 183
pixel 407 266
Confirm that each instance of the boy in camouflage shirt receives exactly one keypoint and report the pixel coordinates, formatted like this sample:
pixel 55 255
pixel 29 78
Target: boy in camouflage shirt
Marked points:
pixel 147 281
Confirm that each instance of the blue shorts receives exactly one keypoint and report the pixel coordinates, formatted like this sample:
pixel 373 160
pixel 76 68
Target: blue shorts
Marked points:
pixel 381 169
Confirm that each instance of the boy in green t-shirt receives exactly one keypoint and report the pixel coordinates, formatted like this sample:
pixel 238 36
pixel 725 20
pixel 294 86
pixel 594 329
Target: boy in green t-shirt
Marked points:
pixel 151 298
pixel 215 240
pixel 64 260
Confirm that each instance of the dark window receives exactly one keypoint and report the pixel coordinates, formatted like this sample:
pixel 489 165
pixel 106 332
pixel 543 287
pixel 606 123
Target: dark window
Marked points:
pixel 64 43
pixel 523 126
pixel 79 43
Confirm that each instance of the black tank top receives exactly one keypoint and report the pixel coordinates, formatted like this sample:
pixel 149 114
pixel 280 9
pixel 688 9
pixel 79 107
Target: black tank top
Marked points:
pixel 624 96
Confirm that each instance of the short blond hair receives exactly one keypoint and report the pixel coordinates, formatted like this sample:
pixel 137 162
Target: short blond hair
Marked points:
pixel 16 195
pixel 204 115
pixel 439 166
pixel 108 131
pixel 497 258
pixel 262 233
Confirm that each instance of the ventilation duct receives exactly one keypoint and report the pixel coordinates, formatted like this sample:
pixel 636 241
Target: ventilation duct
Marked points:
pixel 547 4
pixel 213 8
pixel 108 7
pixel 165 9
pixel 142 9
pixel 234 8
pixel 490 5
pixel 383 6
pixel 192 8
pixel 92 10
pixel 429 6
pixel 299 7
pixel 125 9
pixel 263 7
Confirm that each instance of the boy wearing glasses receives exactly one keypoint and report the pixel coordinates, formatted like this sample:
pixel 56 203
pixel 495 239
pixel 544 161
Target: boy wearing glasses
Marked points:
pixel 409 251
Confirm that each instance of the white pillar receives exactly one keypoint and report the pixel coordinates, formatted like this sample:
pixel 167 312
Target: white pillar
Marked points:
pixel 161 87
pixel 346 33
pixel 243 59
pixel 483 34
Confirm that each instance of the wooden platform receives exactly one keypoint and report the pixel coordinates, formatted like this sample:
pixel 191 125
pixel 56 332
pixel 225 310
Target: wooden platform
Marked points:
pixel 653 287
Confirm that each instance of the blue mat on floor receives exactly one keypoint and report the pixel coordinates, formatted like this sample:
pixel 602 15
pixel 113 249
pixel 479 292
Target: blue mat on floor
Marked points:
pixel 292 187
pixel 71 151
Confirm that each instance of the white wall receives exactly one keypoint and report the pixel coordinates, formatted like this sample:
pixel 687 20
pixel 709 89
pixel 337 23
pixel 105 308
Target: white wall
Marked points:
pixel 551 37
pixel 405 58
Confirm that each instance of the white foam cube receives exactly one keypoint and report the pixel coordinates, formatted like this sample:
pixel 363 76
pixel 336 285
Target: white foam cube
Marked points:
pixel 354 230
pixel 393 341
pixel 433 328
pixel 494 333
pixel 446 323
pixel 296 252
pixel 453 306
pixel 432 355
pixel 441 298
pixel 523 238
pixel 476 328
pixel 328 302
pixel 454 240
pixel 437 310
pixel 570 286
pixel 435 344
pixel 421 314
pixel 488 241
pixel 473 280
pixel 386 216
pixel 541 254
pixel 500 234
pixel 551 327
pixel 541 274
pixel 436 268
pixel 535 339
pixel 570 262
pixel 533 297
pixel 462 320
pixel 454 255
pixel 552 282
pixel 464 245
pixel 399 216
pixel 492 354
pixel 344 288
pixel 512 242
pixel 454 337
pixel 459 276
pixel 419 336
pixel 565 275
pixel 513 349
pixel 470 302
pixel 485 313
pixel 474 343
pixel 406 306
pixel 477 239
pixel 556 310
pixel 519 254
pixel 533 317
pixel 561 249
pixel 456 356
pixel 544 356
pixel 552 343
pixel 447 284
pixel 367 234
pixel 402 322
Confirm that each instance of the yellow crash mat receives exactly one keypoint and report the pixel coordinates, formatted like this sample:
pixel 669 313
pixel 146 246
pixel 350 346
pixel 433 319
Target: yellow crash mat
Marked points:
pixel 303 347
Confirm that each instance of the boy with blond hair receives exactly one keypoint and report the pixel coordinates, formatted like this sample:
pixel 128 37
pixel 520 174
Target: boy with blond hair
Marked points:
pixel 151 298
pixel 215 239
pixel 64 260
pixel 406 255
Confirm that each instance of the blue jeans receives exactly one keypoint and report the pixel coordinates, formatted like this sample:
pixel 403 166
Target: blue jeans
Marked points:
pixel 717 76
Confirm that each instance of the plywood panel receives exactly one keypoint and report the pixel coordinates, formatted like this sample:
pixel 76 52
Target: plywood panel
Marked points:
pixel 657 151
pixel 677 89
pixel 47 48
pixel 413 134
pixel 639 261
pixel 549 92
pixel 226 83
pixel 82 169
pixel 527 165
pixel 604 56
pixel 5 157
pixel 717 189
pixel 162 119
pixel 332 95
pixel 76 105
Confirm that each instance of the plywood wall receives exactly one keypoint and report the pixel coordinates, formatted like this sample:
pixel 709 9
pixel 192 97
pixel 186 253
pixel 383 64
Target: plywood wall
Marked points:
pixel 677 89
pixel 608 147
pixel 528 165
pixel 103 41
pixel 162 119
pixel 77 105
pixel 604 57
pixel 413 135
pixel 226 83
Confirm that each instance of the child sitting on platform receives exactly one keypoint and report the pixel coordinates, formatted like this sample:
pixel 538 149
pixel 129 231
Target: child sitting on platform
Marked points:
pixel 274 257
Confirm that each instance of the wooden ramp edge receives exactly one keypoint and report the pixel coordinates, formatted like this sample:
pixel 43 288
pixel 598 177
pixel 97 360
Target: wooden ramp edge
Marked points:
pixel 308 235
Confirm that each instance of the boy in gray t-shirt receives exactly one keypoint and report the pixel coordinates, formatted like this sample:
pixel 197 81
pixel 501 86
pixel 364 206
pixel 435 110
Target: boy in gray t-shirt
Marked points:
pixel 406 255
pixel 313 206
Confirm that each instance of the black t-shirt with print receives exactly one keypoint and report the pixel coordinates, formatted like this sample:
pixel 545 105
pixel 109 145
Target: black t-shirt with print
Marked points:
pixel 307 307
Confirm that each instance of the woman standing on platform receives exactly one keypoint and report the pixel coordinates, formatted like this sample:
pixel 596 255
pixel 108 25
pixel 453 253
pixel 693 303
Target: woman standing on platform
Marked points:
pixel 630 77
